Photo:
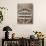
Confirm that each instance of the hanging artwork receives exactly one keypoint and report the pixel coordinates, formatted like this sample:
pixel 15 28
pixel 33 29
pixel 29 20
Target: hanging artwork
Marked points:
pixel 25 13
pixel 1 15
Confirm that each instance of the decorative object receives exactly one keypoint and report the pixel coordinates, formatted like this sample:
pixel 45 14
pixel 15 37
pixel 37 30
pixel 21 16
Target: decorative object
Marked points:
pixel 13 36
pixel 25 13
pixel 32 37
pixel 39 34
pixel 7 28
pixel 1 15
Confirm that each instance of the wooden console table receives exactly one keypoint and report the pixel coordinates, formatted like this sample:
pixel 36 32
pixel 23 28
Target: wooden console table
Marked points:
pixel 23 42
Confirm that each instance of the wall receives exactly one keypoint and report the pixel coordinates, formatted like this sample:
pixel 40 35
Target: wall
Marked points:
pixel 25 30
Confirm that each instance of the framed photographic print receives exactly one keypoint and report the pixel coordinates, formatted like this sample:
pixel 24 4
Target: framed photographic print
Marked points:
pixel 24 13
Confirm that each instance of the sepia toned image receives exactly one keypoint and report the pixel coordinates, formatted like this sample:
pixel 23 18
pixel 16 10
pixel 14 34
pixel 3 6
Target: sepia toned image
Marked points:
pixel 25 13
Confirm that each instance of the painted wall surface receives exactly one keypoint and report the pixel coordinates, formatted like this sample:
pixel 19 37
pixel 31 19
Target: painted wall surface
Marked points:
pixel 25 30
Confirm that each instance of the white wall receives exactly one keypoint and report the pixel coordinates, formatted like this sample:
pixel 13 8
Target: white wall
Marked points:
pixel 25 30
